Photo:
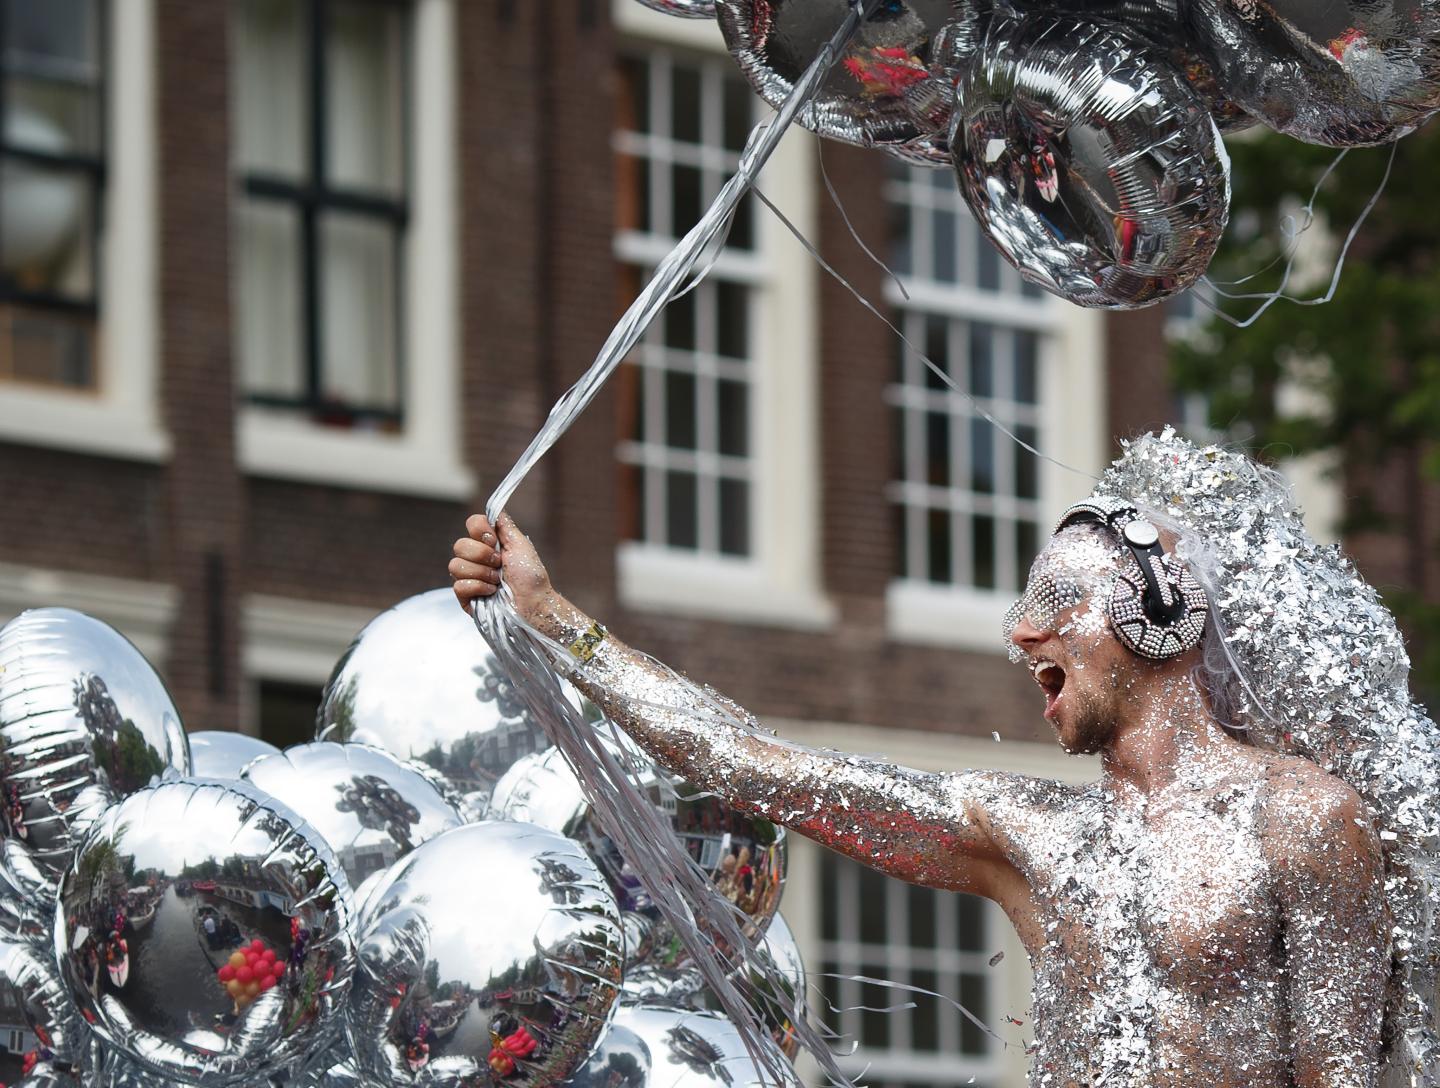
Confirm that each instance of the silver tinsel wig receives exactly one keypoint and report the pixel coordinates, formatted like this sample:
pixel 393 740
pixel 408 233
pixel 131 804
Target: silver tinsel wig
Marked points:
pixel 1302 657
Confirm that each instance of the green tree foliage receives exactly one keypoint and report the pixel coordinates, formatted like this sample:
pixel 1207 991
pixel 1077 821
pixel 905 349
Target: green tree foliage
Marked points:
pixel 1372 353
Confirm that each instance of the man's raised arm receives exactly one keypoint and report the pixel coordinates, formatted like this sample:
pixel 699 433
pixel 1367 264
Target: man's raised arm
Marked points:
pixel 926 828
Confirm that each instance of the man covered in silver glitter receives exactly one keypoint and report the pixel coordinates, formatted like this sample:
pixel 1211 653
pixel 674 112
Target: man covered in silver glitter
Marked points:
pixel 1213 911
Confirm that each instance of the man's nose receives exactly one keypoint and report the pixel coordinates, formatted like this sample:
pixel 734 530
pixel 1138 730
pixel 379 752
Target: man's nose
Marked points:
pixel 1026 635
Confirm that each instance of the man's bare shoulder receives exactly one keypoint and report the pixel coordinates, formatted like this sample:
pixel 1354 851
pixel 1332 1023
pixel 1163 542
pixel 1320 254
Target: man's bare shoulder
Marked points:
pixel 1006 790
pixel 1304 809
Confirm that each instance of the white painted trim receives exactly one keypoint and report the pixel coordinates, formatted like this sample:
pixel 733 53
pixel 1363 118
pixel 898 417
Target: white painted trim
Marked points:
pixel 425 459
pixel 283 638
pixel 142 611
pixel 121 418
pixel 715 587
pixel 931 614
pixel 632 19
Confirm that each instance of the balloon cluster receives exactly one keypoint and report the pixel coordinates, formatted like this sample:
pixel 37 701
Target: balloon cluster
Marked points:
pixel 1085 134
pixel 420 897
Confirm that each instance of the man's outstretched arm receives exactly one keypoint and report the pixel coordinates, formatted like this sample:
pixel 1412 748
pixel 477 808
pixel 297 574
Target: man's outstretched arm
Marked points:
pixel 927 828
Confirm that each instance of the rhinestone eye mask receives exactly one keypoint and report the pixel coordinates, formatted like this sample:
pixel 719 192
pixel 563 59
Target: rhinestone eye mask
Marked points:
pixel 1079 563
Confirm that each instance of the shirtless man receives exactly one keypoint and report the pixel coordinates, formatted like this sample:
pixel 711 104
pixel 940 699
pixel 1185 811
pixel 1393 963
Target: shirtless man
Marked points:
pixel 1208 913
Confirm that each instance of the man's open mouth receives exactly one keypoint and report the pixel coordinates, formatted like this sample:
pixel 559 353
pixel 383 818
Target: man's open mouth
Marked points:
pixel 1051 678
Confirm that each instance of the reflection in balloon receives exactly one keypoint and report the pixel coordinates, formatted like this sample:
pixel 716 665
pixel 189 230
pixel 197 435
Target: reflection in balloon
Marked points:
pixel 371 808
pixel 651 1046
pixel 40 1012
pixel 202 930
pixel 743 855
pixel 1092 167
pixel 224 754
pixel 419 684
pixel 491 953
pixel 84 720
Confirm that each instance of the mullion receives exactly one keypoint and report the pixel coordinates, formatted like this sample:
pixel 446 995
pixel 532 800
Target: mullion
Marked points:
pixel 313 336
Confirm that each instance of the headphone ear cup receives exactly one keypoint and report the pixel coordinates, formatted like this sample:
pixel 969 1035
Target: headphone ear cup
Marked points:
pixel 1140 633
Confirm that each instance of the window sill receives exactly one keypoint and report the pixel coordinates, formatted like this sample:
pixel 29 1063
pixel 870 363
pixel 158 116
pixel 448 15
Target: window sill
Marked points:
pixel 653 579
pixel 142 611
pixel 79 422
pixel 272 445
pixel 957 616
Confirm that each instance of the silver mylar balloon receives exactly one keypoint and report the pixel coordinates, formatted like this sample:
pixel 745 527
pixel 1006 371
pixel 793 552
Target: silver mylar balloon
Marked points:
pixel 686 9
pixel 491 955
pixel 1343 72
pixel 743 855
pixel 26 895
pixel 224 754
pixel 203 930
pixel 882 92
pixel 84 720
pixel 420 682
pixel 37 1006
pixel 1089 162
pixel 369 806
pixel 778 991
pixel 651 1046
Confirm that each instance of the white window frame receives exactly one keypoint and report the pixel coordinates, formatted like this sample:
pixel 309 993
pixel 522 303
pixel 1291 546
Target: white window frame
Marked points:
pixel 143 612
pixel 778 584
pixel 425 457
pixel 927 751
pixel 1070 418
pixel 121 416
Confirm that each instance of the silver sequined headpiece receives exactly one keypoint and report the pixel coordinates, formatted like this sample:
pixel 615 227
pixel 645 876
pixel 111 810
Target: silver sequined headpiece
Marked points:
pixel 1304 657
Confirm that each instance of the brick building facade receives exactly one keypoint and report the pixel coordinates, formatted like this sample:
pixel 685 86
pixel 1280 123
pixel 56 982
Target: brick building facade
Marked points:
pixel 241 539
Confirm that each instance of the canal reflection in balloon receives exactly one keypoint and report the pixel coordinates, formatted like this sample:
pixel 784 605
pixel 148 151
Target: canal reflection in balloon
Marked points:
pixel 202 930
pixel 490 955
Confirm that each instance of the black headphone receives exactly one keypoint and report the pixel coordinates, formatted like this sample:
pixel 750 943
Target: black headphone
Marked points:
pixel 1157 608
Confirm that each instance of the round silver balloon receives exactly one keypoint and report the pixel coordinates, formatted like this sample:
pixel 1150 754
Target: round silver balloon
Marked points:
pixel 84 720
pixel 774 979
pixel 890 87
pixel 686 9
pixel 420 682
pixel 1343 73
pixel 651 1046
pixel 490 955
pixel 369 806
pixel 202 929
pixel 1089 162
pixel 743 855
pixel 40 1017
pixel 27 894
pixel 224 754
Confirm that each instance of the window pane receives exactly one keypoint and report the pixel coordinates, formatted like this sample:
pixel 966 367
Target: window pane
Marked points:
pixel 679 410
pixel 60 118
pixel 685 103
pixel 732 319
pixel 872 907
pixel 937 347
pixel 939 543
pixel 925 1019
pixel 921 918
pixel 270 76
pixel 989 259
pixel 1027 544
pixel 680 322
pixel 268 299
pixel 734 403
pixel 970 922
pixel 365 100
pixel 982 360
pixel 358 300
pixel 1027 468
pixel 734 517
pixel 974 997
pixel 742 227
pixel 982 456
pixel 739 112
pixel 937 449
pixel 681 514
pixel 48 230
pixel 287 712
pixel 1026 364
pixel 685 198
pixel 52 348
pixel 943 239
pixel 982 536
pixel 52 57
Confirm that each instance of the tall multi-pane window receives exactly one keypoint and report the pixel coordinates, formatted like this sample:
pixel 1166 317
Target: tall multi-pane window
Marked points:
pixel 686 449
pixel 51 170
pixel 320 148
pixel 873 927
pixel 967 496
